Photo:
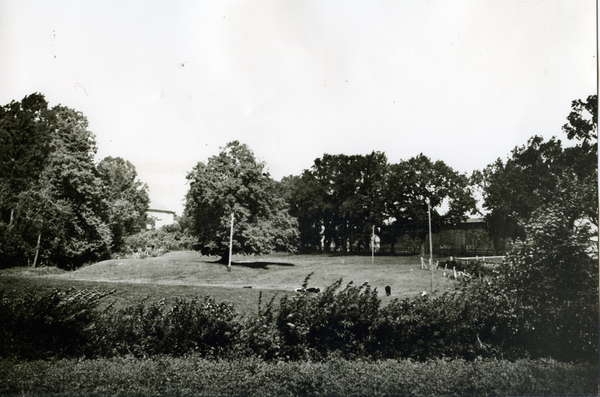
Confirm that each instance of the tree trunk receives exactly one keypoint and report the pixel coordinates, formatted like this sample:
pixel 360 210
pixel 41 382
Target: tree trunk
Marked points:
pixel 12 215
pixel 37 250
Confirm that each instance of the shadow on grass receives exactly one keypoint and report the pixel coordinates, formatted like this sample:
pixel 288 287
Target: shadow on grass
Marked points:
pixel 255 264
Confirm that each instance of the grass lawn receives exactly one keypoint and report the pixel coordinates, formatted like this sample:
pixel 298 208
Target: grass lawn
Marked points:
pixel 188 274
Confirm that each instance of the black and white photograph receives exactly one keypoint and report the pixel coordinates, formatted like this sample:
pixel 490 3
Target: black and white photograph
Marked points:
pixel 299 198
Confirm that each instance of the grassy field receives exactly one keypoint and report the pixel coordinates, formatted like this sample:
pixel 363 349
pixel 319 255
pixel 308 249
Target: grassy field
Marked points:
pixel 188 274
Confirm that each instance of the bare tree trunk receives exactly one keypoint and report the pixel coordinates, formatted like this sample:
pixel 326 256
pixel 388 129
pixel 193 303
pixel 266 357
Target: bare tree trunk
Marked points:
pixel 37 250
pixel 12 215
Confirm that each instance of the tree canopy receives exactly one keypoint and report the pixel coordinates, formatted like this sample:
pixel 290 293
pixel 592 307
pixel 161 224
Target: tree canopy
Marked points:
pixel 533 175
pixel 127 198
pixel 54 202
pixel 412 184
pixel 234 182
pixel 342 197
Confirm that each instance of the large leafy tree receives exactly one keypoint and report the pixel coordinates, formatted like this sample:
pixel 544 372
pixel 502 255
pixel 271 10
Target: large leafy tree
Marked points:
pixel 24 148
pixel 306 198
pixel 531 177
pixel 74 208
pixel 53 203
pixel 234 182
pixel 412 184
pixel 339 199
pixel 126 196
pixel 551 277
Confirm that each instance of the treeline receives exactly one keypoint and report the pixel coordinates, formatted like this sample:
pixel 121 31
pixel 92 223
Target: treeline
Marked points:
pixel 336 203
pixel 57 206
pixel 341 198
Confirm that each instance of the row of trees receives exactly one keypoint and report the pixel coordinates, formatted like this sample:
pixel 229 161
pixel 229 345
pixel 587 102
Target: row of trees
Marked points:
pixel 56 204
pixel 342 197
pixel 335 204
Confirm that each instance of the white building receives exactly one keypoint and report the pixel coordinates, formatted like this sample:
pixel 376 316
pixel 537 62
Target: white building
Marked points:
pixel 161 218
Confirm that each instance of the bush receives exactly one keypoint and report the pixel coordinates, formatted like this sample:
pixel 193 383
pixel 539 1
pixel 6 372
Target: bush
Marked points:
pixel 259 336
pixel 50 324
pixel 316 325
pixel 204 327
pixel 169 237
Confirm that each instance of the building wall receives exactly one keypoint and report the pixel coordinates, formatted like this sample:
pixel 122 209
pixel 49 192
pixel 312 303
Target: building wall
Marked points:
pixel 467 239
pixel 161 218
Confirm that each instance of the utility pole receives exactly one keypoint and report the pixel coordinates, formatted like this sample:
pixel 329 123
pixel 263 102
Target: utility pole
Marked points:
pixel 373 246
pixel 230 244
pixel 430 243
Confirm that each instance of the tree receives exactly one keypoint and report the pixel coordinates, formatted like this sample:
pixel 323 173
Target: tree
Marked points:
pixel 411 183
pixel 305 196
pixel 531 176
pixel 73 184
pixel 235 182
pixel 343 199
pixel 126 196
pixel 24 148
pixel 49 186
pixel 552 274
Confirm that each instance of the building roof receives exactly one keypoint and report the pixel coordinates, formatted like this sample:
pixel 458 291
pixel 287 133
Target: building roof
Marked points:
pixel 162 211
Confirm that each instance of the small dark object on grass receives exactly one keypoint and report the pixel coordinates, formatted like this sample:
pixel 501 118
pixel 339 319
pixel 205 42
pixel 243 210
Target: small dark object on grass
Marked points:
pixel 247 286
pixel 388 290
pixel 315 290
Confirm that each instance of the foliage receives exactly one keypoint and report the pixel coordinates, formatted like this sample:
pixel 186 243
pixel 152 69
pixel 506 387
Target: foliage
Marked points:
pixel 54 202
pixel 317 325
pixel 553 274
pixel 234 182
pixel 339 198
pixel 534 174
pixel 73 212
pixel 127 199
pixel 184 326
pixel 168 238
pixel 52 324
pixel 194 376
pixel 259 336
pixel 342 197
pixel 411 184
pixel 24 147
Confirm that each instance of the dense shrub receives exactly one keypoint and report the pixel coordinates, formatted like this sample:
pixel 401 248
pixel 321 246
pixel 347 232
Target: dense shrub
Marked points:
pixel 169 237
pixel 483 318
pixel 259 336
pixel 205 327
pixel 315 325
pixel 13 248
pixel 50 324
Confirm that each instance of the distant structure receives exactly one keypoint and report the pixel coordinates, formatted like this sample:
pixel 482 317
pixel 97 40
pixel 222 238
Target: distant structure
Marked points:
pixel 469 238
pixel 160 218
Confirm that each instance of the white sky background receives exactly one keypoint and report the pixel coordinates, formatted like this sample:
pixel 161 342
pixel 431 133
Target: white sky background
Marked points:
pixel 164 84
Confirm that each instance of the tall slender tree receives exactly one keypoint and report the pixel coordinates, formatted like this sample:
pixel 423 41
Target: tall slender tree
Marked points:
pixel 127 198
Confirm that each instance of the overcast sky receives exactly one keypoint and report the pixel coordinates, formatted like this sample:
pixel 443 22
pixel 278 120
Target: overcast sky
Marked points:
pixel 164 84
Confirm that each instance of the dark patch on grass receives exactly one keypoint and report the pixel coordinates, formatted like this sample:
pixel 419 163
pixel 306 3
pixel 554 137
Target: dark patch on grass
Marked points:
pixel 254 264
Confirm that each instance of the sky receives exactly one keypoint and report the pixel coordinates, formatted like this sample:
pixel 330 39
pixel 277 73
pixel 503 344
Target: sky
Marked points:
pixel 165 84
